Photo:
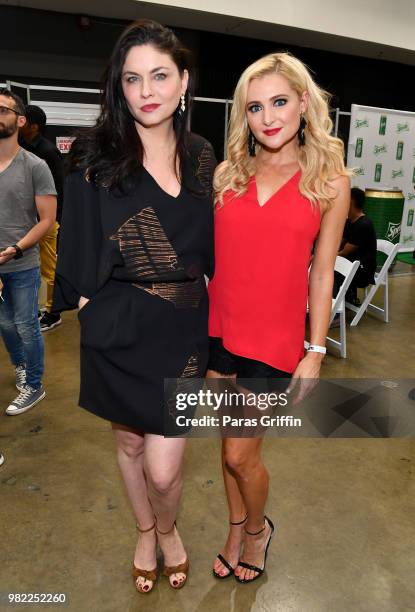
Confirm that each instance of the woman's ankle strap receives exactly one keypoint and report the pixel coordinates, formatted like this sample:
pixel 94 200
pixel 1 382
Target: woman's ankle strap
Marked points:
pixel 239 522
pixel 254 533
pixel 165 532
pixel 145 530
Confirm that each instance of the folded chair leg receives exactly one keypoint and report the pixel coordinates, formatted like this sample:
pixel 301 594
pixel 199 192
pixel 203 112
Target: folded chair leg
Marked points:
pixel 364 305
pixel 386 301
pixel 343 351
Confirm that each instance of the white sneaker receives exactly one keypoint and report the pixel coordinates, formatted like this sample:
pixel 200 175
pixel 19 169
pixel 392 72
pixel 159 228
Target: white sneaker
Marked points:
pixel 1 459
pixel 20 377
pixel 27 398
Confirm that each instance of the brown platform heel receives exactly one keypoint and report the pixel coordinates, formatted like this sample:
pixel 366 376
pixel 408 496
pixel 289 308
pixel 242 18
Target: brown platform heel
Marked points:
pixel 181 568
pixel 142 573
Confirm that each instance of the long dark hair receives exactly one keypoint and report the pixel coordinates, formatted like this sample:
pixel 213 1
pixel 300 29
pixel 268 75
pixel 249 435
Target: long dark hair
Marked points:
pixel 111 152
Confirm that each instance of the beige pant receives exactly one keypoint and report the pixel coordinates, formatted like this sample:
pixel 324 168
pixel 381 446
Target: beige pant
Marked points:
pixel 47 248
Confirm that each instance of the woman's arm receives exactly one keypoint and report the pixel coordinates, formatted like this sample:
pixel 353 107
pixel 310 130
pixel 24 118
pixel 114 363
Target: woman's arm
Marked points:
pixel 321 281
pixel 83 301
pixel 78 264
pixel 322 270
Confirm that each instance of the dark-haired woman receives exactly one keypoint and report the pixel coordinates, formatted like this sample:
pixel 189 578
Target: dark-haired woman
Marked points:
pixel 136 242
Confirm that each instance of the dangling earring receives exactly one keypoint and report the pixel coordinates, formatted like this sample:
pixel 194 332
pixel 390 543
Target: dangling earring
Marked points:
pixel 181 108
pixel 301 132
pixel 251 143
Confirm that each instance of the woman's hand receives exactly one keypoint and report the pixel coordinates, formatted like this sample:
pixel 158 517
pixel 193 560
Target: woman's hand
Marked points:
pixel 82 302
pixel 307 374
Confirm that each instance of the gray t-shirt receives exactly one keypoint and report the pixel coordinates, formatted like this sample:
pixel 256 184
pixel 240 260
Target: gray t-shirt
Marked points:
pixel 26 177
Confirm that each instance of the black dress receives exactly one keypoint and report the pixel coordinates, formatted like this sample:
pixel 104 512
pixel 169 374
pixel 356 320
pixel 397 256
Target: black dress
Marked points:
pixel 140 259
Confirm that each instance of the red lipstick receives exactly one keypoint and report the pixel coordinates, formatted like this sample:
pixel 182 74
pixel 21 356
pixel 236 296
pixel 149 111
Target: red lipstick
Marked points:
pixel 272 132
pixel 149 108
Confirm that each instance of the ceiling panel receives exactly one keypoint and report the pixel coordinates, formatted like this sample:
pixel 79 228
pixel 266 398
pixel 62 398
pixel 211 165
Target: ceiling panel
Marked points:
pixel 131 9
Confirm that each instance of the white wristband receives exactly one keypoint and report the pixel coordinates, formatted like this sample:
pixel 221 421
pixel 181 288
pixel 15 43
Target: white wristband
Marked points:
pixel 315 348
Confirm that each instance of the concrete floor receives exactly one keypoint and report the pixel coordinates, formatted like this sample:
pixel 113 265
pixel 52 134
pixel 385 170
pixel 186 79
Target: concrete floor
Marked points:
pixel 344 507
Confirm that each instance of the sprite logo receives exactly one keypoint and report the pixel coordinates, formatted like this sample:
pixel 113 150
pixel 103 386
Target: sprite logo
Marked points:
pixel 359 123
pixel 402 127
pixel 378 149
pixel 411 196
pixel 397 173
pixel 359 171
pixel 393 231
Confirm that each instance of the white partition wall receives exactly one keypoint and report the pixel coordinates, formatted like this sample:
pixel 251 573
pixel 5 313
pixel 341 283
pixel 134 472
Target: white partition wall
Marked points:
pixel 382 150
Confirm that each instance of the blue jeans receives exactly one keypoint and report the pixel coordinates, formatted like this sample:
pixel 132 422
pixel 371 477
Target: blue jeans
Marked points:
pixel 19 324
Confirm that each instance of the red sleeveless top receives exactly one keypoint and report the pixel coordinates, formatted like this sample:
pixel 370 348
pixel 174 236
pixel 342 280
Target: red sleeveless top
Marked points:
pixel 258 295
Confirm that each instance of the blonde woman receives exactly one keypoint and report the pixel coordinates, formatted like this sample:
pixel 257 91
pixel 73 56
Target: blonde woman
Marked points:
pixel 283 188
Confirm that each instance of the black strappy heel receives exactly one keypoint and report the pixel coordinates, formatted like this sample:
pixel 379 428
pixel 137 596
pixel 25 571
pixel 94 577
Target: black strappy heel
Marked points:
pixel 224 561
pixel 254 568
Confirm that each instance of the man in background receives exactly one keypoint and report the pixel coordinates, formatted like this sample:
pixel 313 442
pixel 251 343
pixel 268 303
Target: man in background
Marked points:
pixel 27 213
pixel 33 140
pixel 359 243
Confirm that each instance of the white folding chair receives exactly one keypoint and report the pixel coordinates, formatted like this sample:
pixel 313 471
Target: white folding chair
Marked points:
pixel 381 279
pixel 338 304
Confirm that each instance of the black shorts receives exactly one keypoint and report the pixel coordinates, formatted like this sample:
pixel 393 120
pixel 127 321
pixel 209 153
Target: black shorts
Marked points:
pixel 228 364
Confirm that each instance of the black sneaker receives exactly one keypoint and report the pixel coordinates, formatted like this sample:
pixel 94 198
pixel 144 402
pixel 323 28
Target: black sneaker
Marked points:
pixel 49 321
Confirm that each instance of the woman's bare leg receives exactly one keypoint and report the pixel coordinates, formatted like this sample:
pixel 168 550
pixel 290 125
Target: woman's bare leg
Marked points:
pixel 130 452
pixel 163 465
pixel 237 512
pixel 243 459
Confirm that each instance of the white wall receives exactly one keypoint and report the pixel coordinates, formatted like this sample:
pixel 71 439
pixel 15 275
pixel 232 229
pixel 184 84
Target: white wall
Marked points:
pixel 387 22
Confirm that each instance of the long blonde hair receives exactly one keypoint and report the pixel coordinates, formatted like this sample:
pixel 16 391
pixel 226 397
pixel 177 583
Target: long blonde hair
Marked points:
pixel 320 158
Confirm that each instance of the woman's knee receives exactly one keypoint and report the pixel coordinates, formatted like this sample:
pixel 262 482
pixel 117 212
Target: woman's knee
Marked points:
pixel 163 481
pixel 129 444
pixel 241 460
